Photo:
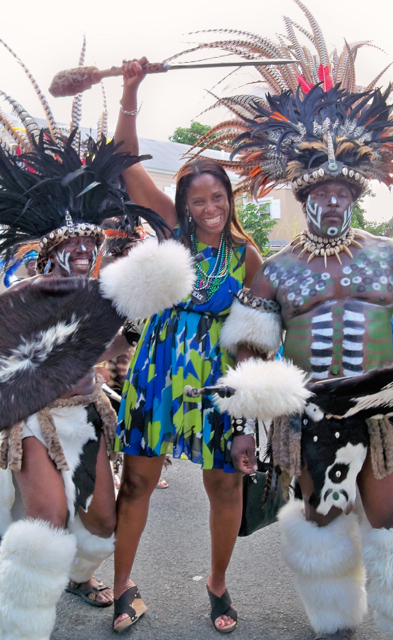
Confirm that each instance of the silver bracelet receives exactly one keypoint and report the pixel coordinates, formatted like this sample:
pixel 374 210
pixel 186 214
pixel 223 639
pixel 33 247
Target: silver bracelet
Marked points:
pixel 134 112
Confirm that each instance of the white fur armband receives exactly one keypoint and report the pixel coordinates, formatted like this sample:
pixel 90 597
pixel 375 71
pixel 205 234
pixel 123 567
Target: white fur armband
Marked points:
pixel 264 390
pixel 154 276
pixel 257 329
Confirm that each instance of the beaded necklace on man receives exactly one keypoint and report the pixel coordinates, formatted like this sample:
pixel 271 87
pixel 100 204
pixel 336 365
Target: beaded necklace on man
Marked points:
pixel 207 284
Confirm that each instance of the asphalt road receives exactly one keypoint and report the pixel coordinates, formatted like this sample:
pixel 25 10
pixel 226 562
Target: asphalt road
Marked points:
pixel 171 570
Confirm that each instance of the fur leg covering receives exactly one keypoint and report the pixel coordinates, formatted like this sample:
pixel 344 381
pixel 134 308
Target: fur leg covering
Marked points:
pixel 378 560
pixel 91 551
pixel 35 559
pixel 327 562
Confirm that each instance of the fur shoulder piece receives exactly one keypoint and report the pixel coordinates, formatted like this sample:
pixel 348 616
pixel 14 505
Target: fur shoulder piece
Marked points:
pixel 264 390
pixel 153 277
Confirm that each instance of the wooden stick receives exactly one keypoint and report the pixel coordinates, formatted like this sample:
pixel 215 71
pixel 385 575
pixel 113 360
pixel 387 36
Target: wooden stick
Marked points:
pixel 73 81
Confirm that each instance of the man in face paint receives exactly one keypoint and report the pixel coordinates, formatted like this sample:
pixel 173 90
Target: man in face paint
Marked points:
pixel 75 256
pixel 329 209
pixel 336 310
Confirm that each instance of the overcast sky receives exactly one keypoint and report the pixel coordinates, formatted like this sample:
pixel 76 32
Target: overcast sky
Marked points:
pixel 47 36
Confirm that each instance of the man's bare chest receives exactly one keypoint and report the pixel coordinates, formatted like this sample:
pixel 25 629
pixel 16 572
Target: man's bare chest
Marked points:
pixel 301 286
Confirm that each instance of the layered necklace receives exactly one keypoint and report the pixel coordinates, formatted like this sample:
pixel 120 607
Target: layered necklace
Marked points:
pixel 207 284
pixel 325 247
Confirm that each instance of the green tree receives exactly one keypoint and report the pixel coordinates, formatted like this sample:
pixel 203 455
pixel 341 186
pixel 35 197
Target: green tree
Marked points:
pixel 359 220
pixel 191 135
pixel 256 222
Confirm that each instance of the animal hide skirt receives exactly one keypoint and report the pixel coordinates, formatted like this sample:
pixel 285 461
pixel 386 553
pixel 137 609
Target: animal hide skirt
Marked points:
pixel 71 431
pixel 333 449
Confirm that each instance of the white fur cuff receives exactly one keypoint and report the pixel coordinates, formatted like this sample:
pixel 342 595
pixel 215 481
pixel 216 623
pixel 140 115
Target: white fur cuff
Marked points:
pixel 153 277
pixel 259 329
pixel 264 390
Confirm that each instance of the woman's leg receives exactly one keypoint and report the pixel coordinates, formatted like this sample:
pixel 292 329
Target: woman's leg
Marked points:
pixel 139 478
pixel 224 491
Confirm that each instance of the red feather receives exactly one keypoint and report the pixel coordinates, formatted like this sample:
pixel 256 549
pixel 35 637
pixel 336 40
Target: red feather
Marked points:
pixel 304 85
pixel 324 76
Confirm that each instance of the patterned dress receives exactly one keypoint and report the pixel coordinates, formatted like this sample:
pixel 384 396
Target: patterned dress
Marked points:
pixel 179 347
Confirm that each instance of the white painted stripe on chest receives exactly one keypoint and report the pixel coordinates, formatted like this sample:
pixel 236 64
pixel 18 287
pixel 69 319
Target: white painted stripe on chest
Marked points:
pixel 322 332
pixel 350 331
pixel 320 362
pixel 352 360
pixel 355 317
pixel 319 346
pixel 352 346
pixel 326 317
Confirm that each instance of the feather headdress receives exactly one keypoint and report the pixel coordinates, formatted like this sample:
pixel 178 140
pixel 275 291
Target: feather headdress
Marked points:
pixel 51 193
pixel 54 186
pixel 313 126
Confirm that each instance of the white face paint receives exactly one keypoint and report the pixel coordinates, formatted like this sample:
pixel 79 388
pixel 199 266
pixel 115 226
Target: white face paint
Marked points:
pixel 63 260
pixel 347 218
pixel 313 212
pixel 332 231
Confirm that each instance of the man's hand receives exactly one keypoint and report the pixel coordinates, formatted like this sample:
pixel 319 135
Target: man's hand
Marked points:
pixel 243 454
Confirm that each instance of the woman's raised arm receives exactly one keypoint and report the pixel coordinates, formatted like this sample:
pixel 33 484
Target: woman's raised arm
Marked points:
pixel 140 186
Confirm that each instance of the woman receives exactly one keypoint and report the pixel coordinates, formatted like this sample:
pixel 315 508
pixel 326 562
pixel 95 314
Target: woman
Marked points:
pixel 179 347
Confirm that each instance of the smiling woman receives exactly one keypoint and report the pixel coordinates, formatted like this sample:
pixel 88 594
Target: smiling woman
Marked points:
pixel 181 346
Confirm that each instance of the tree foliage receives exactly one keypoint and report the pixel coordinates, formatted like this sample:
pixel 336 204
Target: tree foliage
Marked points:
pixel 191 135
pixel 359 220
pixel 257 223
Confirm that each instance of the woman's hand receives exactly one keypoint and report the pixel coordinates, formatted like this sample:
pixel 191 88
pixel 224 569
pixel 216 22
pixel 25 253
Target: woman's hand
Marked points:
pixel 133 72
pixel 243 454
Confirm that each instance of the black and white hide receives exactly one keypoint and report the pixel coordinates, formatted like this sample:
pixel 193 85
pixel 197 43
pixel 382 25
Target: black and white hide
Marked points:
pixel 53 330
pixel 335 433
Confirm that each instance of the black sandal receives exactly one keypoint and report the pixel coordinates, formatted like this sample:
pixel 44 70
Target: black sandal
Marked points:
pixel 221 606
pixel 131 604
pixel 84 593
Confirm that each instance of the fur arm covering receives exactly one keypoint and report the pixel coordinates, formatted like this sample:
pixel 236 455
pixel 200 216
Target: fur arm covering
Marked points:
pixel 256 328
pixel 264 390
pixel 153 277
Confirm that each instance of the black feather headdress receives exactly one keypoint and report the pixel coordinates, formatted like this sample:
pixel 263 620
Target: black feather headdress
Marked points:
pixel 51 193
pixel 53 185
pixel 313 125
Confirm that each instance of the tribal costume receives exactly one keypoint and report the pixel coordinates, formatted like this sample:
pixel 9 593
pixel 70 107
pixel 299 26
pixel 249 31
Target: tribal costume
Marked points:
pixel 55 188
pixel 333 297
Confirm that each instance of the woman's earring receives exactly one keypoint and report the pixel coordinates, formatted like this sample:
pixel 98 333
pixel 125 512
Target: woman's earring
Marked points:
pixel 189 215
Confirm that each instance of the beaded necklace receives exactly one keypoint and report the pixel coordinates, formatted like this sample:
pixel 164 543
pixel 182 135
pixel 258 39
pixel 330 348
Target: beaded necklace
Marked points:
pixel 207 284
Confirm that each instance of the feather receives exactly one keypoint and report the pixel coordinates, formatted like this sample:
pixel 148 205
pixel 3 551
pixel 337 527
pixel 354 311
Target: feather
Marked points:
pixel 19 139
pixel 54 131
pixel 318 35
pixel 31 126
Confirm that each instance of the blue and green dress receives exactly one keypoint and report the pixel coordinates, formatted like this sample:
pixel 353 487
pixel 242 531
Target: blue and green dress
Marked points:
pixel 179 347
